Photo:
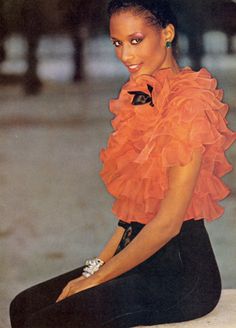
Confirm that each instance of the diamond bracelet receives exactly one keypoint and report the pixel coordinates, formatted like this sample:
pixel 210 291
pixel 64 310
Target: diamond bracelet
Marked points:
pixel 92 266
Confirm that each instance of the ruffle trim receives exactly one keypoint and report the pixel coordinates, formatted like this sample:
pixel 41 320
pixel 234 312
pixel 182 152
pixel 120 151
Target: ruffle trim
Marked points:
pixel 188 114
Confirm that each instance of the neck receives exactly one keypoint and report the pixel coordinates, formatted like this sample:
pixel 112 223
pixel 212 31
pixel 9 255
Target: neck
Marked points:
pixel 170 62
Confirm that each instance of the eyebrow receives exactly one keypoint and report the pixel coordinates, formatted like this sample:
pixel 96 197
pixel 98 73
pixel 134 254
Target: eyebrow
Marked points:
pixel 130 35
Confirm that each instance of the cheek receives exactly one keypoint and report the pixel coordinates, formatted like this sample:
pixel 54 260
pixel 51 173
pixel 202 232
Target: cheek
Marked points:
pixel 152 49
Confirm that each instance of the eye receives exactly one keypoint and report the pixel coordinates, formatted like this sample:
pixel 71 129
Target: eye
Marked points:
pixel 136 41
pixel 116 43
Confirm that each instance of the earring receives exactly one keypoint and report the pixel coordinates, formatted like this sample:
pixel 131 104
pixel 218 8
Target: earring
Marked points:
pixel 168 44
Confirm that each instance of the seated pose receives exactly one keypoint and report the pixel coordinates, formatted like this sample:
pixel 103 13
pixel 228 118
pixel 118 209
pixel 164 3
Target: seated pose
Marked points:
pixel 163 164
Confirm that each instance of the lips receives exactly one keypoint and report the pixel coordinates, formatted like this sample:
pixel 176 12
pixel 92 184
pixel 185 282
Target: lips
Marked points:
pixel 134 67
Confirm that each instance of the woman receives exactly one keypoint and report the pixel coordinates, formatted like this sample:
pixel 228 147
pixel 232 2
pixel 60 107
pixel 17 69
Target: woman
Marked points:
pixel 163 165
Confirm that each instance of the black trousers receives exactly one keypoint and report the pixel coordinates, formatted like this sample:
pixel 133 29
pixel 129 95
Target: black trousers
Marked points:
pixel 179 282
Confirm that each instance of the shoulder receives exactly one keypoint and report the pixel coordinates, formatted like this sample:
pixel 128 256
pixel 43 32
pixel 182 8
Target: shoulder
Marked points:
pixel 191 83
pixel 189 93
pixel 194 83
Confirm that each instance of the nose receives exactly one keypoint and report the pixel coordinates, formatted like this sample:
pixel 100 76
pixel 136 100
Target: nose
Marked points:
pixel 126 53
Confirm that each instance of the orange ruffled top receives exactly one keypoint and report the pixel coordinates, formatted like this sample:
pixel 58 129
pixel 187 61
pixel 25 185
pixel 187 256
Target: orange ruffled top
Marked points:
pixel 186 113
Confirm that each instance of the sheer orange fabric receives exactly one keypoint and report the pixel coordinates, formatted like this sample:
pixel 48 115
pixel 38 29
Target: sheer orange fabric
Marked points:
pixel 147 140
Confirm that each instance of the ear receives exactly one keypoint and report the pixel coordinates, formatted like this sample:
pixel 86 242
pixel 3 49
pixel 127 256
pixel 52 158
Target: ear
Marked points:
pixel 169 32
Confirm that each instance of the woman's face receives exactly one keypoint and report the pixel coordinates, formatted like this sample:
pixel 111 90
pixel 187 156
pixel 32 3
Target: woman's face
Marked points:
pixel 140 46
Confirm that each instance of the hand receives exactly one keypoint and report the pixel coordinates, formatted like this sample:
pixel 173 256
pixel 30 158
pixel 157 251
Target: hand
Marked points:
pixel 76 286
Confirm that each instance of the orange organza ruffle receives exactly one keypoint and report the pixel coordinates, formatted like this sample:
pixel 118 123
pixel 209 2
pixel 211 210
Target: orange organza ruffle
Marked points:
pixel 147 140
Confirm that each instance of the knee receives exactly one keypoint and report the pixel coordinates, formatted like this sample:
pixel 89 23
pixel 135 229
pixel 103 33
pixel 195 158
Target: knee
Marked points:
pixel 16 310
pixel 15 305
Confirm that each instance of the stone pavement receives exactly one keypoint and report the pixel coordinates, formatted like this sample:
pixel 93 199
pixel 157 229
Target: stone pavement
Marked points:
pixel 55 211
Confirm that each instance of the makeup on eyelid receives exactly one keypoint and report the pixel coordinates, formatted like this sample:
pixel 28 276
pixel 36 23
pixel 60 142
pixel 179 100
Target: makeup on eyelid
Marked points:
pixel 134 37
pixel 137 35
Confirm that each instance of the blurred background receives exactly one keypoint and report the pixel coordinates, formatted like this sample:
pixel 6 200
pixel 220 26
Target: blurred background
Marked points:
pixel 57 74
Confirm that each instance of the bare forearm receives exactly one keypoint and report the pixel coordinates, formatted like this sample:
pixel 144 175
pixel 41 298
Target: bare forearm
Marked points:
pixel 111 246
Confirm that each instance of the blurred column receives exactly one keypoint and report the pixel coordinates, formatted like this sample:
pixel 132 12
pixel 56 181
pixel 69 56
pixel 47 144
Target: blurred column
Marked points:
pixel 32 28
pixel 79 36
pixel 3 32
pixel 81 18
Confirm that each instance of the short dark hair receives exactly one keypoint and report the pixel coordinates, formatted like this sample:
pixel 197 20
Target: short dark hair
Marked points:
pixel 157 12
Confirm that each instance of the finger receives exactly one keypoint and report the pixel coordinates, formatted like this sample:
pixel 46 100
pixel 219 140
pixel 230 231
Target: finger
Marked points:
pixel 63 294
pixel 66 292
pixel 69 289
pixel 61 297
